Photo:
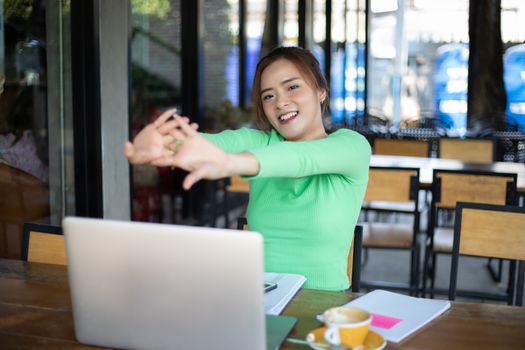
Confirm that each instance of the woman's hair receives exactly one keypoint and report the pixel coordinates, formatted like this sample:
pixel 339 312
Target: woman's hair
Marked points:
pixel 304 61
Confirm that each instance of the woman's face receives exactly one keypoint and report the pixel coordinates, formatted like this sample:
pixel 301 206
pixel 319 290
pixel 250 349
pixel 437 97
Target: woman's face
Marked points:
pixel 292 106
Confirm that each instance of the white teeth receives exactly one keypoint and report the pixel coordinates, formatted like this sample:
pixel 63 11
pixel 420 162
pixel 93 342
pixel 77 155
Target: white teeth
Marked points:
pixel 287 116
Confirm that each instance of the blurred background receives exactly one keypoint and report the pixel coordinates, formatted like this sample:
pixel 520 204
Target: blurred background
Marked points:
pixel 77 78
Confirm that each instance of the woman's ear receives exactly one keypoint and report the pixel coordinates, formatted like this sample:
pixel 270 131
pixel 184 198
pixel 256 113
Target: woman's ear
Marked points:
pixel 322 95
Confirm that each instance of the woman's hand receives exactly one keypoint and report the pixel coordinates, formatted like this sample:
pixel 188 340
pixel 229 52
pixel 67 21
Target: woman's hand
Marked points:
pixel 201 158
pixel 150 143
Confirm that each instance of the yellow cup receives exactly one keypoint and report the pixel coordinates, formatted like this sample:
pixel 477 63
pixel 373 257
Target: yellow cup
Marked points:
pixel 346 326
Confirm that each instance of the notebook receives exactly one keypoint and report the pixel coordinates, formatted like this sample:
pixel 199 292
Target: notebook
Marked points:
pixel 156 286
pixel 395 316
pixel 287 286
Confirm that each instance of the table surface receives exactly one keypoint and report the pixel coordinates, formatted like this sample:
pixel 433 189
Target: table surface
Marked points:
pixel 427 165
pixel 35 312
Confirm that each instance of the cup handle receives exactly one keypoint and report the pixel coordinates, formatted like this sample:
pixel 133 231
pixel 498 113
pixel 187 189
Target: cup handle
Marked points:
pixel 331 335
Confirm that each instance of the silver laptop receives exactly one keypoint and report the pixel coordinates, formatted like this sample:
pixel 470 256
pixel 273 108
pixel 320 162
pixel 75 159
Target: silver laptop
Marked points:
pixel 154 286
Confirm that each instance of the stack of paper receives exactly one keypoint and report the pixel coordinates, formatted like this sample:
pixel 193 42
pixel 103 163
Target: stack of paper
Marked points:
pixel 287 286
pixel 396 316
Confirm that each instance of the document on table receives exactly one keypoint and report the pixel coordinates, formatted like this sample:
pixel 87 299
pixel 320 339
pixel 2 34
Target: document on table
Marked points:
pixel 396 316
pixel 287 286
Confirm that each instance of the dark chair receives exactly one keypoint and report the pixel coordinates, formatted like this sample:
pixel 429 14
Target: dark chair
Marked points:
pixel 354 255
pixel 509 146
pixel 393 190
pixel 235 187
pixel 242 223
pixel 354 260
pixel 44 244
pixel 490 231
pixel 448 188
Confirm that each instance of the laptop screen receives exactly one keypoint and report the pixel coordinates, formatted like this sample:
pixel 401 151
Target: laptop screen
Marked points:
pixel 157 286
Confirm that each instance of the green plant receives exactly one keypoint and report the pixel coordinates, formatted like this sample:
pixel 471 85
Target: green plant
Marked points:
pixel 228 116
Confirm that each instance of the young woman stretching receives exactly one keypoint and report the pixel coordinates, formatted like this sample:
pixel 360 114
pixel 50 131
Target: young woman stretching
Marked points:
pixel 306 186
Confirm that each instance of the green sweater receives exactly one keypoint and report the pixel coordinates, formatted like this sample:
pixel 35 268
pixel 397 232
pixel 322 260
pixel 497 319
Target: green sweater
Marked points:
pixel 305 200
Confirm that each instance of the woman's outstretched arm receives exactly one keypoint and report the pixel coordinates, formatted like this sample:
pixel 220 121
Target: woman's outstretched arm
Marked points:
pixel 201 158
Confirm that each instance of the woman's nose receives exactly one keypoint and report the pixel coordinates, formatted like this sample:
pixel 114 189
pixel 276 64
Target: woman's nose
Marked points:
pixel 282 101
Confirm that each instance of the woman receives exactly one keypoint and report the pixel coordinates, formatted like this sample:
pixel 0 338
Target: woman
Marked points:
pixel 306 187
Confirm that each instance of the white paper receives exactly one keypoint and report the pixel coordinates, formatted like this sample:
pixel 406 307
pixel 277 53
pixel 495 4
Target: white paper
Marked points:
pixel 413 312
pixel 287 286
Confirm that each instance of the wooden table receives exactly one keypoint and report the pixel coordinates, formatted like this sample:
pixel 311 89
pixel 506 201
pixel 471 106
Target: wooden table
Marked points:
pixel 427 165
pixel 35 313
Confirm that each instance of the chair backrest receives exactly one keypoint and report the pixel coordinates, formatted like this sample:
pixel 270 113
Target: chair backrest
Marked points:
pixel 467 150
pixel 242 223
pixel 451 186
pixel 23 197
pixel 44 244
pixel 354 260
pixel 392 184
pixel 401 147
pixel 238 184
pixel 354 254
pixel 487 230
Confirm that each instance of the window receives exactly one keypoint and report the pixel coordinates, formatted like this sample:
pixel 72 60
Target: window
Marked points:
pixel 156 85
pixel 418 67
pixel 348 61
pixel 37 181
pixel 513 36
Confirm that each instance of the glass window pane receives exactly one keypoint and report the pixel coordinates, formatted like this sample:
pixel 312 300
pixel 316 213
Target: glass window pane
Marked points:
pixel 255 17
pixel 319 28
pixel 513 36
pixel 221 65
pixel 355 62
pixel 232 64
pixel 291 23
pixel 35 105
pixel 418 67
pixel 337 79
pixel 347 71
pixel 156 85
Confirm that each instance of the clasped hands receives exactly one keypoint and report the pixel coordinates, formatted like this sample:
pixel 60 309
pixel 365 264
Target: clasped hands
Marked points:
pixel 172 141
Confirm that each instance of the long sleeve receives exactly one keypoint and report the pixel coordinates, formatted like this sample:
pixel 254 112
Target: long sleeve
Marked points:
pixel 344 152
pixel 305 200
pixel 239 140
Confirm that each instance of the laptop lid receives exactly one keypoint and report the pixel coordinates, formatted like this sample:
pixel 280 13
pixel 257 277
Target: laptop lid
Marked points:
pixel 155 286
pixel 277 329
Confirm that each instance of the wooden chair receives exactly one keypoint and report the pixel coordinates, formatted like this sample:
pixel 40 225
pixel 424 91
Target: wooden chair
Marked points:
pixel 490 231
pixel 401 147
pixel 238 184
pixel 450 187
pixel 23 198
pixel 394 190
pixel 43 244
pixel 467 150
pixel 354 255
pixel 475 151
pixel 235 186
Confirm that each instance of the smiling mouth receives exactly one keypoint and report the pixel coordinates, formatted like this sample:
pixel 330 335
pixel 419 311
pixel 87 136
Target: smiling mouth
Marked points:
pixel 288 117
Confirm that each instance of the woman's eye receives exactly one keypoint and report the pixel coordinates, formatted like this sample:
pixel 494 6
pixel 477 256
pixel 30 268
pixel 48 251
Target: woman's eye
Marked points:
pixel 293 87
pixel 266 97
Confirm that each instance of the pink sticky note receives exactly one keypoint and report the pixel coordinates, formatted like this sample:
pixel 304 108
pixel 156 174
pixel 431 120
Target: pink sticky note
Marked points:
pixel 385 322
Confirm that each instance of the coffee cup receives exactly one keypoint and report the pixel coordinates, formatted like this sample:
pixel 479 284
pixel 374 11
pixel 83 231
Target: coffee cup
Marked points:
pixel 346 326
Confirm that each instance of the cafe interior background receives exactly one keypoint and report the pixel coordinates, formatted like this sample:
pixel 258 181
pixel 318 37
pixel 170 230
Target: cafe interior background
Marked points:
pixel 80 77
